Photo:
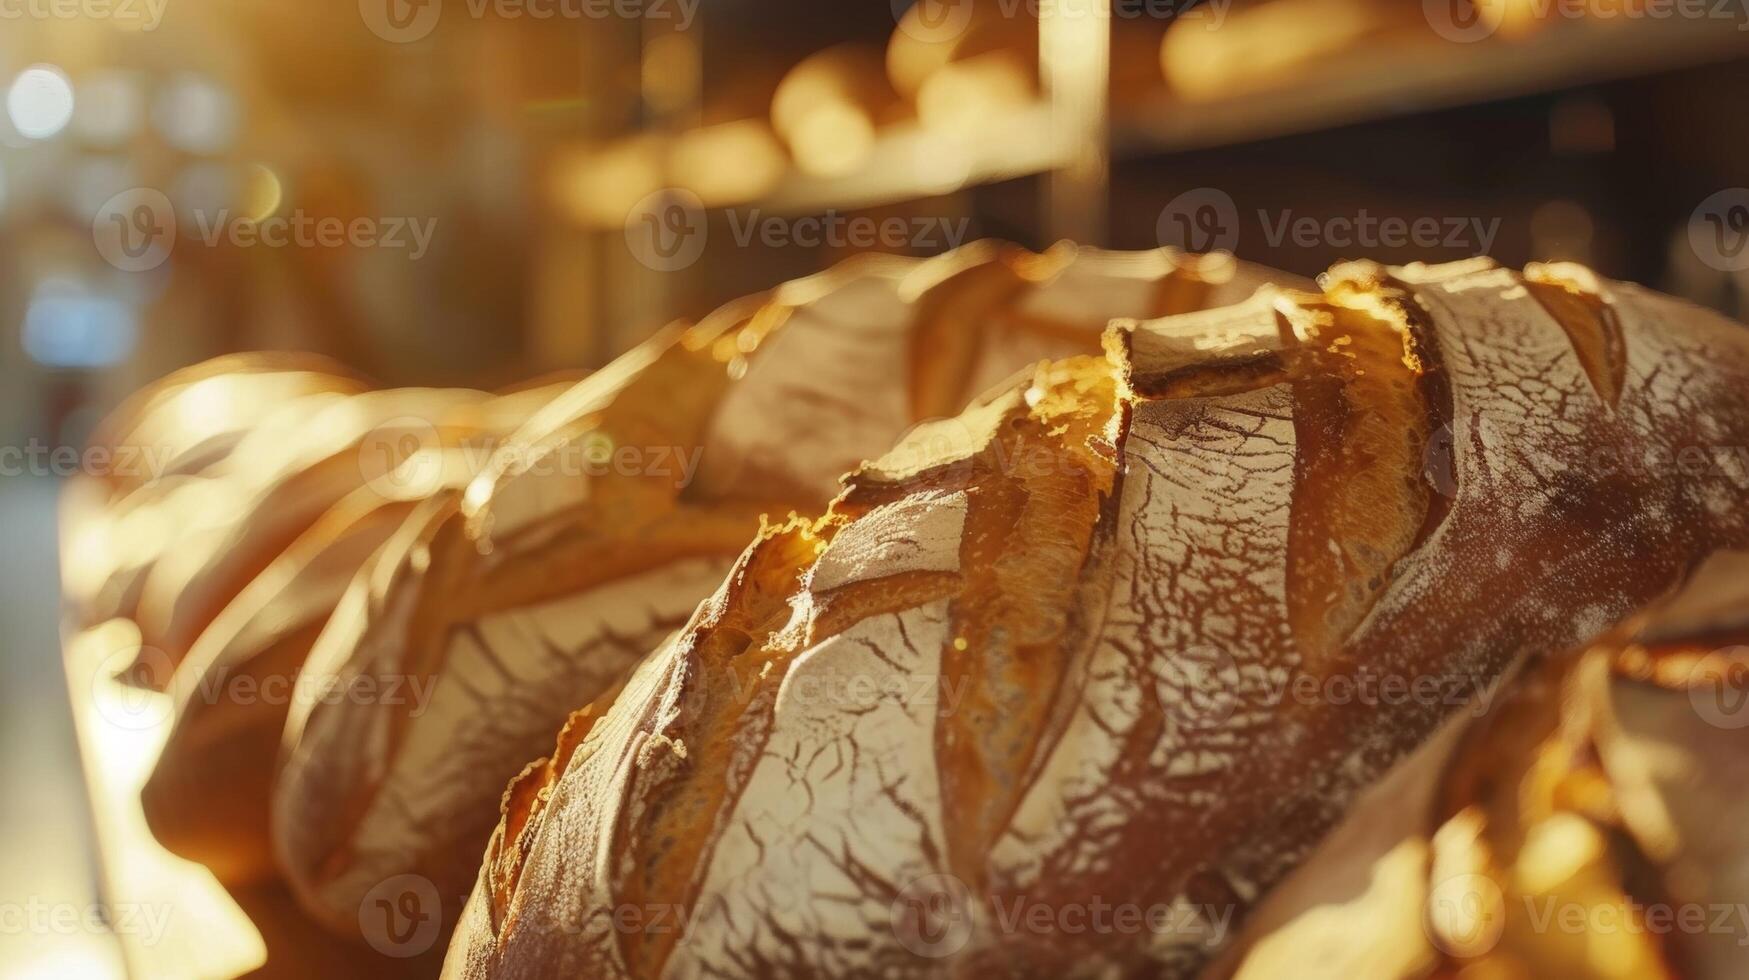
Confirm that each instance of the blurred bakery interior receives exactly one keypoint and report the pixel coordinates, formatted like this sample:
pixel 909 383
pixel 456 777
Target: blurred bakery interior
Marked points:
pixel 473 193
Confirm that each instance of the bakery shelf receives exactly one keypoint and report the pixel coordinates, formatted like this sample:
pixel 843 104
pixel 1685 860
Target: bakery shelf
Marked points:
pixel 1376 81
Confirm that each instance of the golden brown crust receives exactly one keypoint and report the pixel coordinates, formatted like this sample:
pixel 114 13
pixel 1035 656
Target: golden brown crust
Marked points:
pixel 536 588
pixel 1116 580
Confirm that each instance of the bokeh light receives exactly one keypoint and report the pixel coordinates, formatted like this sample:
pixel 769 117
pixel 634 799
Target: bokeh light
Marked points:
pixel 40 102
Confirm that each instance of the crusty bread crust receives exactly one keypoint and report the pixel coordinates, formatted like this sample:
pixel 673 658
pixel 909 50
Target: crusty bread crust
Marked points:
pixel 1056 655
pixel 540 586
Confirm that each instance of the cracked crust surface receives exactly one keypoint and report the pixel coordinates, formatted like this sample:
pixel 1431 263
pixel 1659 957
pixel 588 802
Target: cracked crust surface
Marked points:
pixel 621 504
pixel 1135 683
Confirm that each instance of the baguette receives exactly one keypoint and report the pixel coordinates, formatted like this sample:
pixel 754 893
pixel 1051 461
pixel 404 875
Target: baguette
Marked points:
pixel 559 568
pixel 1101 643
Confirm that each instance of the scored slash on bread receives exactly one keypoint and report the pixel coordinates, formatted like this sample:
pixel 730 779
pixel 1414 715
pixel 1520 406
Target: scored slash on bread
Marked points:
pixel 620 505
pixel 1086 645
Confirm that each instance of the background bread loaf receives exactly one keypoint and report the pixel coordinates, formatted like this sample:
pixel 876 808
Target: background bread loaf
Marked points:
pixel 208 795
pixel 621 504
pixel 1101 641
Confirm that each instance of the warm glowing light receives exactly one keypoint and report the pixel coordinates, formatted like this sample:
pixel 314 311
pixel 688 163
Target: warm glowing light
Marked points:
pixel 40 102
pixel 735 161
pixel 962 96
pixel 86 959
pixel 262 193
pixel 605 182
pixel 1260 45
pixel 670 72
pixel 827 108
pixel 832 139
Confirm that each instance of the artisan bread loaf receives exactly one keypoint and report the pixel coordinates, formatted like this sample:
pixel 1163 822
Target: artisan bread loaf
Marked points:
pixel 207 798
pixel 170 555
pixel 167 436
pixel 620 506
pixel 1064 686
pixel 190 419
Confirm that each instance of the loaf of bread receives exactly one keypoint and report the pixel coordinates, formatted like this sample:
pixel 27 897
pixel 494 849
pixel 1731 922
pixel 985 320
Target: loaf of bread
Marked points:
pixel 1064 686
pixel 207 798
pixel 189 419
pixel 169 435
pixel 1588 824
pixel 173 553
pixel 619 507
